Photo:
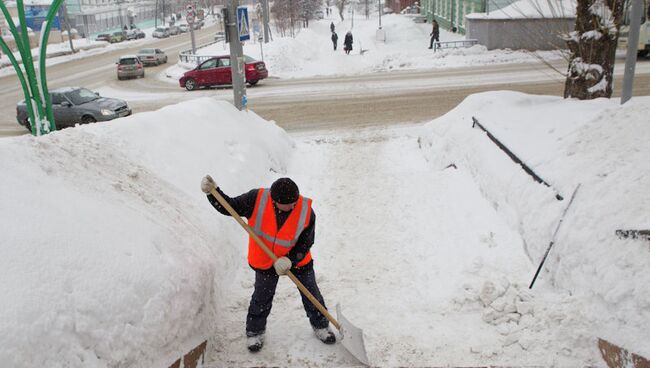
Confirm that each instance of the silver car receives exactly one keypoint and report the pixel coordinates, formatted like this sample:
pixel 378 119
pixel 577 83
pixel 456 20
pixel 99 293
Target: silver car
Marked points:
pixel 152 56
pixel 76 105
pixel 160 32
pixel 129 66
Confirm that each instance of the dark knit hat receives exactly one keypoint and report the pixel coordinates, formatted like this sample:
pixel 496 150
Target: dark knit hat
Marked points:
pixel 284 191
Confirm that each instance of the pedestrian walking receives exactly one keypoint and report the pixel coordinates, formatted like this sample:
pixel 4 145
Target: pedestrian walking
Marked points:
pixel 435 34
pixel 286 222
pixel 335 39
pixel 347 42
pixel 332 27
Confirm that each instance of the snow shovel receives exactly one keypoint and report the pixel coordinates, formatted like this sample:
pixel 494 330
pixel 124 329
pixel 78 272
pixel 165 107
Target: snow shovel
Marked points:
pixel 351 336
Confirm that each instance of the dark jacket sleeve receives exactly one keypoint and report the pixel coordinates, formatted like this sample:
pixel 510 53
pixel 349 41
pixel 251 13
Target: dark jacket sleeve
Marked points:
pixel 305 241
pixel 243 204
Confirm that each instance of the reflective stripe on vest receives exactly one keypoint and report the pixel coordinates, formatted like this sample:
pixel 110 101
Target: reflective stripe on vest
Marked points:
pixel 257 229
pixel 280 241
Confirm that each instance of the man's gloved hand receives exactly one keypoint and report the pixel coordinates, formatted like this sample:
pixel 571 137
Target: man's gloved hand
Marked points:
pixel 207 184
pixel 282 265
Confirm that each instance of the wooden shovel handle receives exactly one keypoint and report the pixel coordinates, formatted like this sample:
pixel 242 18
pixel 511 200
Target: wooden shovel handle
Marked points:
pixel 272 255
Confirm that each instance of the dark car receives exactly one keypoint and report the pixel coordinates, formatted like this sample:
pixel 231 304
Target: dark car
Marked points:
pixel 76 105
pixel 216 71
pixel 134 34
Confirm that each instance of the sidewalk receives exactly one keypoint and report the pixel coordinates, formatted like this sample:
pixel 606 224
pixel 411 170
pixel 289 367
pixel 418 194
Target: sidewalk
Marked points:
pixel 54 50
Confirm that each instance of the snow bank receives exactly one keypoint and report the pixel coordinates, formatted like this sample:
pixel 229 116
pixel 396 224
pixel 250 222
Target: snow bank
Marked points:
pixel 599 144
pixel 311 54
pixel 106 256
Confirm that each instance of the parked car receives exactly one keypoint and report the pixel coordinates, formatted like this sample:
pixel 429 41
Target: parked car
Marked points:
pixel 77 105
pixel 152 56
pixel 184 28
pixel 216 71
pixel 319 14
pixel 160 32
pixel 219 36
pixel 129 66
pixel 174 30
pixel 103 37
pixel 117 37
pixel 134 34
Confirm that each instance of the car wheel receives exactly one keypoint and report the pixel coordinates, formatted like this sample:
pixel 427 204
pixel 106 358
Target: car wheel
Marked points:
pixel 253 82
pixel 142 76
pixel 165 59
pixel 87 119
pixel 190 84
pixel 642 53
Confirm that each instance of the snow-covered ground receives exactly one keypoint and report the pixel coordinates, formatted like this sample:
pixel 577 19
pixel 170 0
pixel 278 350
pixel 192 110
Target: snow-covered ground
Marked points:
pixel 311 53
pixel 112 256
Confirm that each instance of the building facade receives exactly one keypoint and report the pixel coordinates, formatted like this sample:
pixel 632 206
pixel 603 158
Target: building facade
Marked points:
pixel 450 14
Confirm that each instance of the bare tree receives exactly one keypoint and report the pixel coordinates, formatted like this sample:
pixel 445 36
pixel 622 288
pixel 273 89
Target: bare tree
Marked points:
pixel 340 4
pixel 593 48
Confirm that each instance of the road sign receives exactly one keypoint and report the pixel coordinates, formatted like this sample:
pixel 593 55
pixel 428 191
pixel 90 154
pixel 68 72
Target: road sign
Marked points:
pixel 242 24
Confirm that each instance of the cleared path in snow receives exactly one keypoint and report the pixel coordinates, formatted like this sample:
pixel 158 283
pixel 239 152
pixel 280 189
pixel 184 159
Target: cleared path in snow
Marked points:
pixel 398 244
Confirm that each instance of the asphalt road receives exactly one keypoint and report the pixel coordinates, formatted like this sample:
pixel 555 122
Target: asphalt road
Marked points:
pixel 310 103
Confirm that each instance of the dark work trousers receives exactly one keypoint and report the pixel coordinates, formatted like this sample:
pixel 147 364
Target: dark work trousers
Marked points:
pixel 262 299
pixel 434 38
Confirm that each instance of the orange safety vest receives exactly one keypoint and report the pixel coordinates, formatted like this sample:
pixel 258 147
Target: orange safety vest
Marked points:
pixel 264 225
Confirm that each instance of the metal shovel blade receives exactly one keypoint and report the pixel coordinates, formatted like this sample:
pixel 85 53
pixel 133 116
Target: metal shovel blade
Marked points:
pixel 351 337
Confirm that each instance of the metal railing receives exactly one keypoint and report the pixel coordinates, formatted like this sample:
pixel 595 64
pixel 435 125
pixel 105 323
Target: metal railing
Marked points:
pixel 187 56
pixel 454 44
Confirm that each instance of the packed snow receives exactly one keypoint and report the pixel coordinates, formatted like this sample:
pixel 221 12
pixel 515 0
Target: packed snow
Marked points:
pixel 311 52
pixel 428 234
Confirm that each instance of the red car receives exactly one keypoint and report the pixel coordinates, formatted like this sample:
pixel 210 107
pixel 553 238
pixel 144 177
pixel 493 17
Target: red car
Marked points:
pixel 216 71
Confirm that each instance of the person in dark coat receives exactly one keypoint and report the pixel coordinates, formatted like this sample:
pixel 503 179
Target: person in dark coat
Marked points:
pixel 335 39
pixel 348 42
pixel 291 238
pixel 435 33
pixel 332 27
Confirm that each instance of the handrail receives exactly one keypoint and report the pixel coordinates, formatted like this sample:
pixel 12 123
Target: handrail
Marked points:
pixel 454 44
pixel 187 56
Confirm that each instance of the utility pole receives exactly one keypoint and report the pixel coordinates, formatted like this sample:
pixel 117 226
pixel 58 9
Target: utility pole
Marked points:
pixel 632 44
pixel 190 16
pixel 236 56
pixel 155 15
pixel 265 20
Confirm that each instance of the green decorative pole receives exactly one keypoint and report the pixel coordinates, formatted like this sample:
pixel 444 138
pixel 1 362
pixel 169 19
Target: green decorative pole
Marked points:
pixel 37 97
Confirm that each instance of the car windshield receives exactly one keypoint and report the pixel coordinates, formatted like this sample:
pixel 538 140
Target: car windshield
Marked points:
pixel 248 59
pixel 146 51
pixel 128 61
pixel 160 30
pixel 117 33
pixel 81 96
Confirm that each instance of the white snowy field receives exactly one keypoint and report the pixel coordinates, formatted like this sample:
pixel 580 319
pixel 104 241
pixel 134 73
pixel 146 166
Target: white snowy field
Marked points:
pixel 112 256
pixel 311 54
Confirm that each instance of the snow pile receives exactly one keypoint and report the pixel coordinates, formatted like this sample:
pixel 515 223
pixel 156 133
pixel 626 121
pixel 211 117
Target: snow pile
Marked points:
pixel 113 257
pixel 597 143
pixel 106 260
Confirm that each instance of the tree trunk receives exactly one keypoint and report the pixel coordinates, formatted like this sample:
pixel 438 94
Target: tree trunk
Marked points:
pixel 593 48
pixel 340 4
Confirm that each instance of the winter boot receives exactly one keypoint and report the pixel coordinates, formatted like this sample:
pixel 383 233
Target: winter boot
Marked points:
pixel 325 335
pixel 255 342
